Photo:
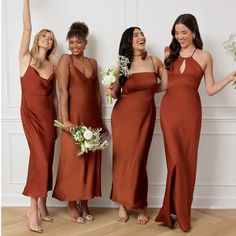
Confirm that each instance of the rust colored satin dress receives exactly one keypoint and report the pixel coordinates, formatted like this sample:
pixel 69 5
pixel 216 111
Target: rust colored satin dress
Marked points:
pixel 133 120
pixel 79 178
pixel 37 114
pixel 180 115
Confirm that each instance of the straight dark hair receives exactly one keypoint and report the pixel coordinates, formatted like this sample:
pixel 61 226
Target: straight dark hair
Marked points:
pixel 189 21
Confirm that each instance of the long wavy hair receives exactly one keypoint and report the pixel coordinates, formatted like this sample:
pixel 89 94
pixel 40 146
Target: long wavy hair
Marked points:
pixel 51 53
pixel 126 48
pixel 189 21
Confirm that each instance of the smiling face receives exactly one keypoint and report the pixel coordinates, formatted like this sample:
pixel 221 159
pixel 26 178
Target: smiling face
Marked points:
pixel 184 35
pixel 45 40
pixel 139 41
pixel 77 45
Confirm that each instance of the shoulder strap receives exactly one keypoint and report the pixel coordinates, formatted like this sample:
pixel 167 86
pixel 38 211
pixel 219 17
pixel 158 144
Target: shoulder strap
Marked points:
pixel 153 65
pixel 194 51
pixel 94 69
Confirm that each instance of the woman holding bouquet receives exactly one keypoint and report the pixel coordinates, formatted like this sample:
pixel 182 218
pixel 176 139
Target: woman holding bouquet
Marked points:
pixel 78 178
pixel 38 110
pixel 133 120
pixel 180 116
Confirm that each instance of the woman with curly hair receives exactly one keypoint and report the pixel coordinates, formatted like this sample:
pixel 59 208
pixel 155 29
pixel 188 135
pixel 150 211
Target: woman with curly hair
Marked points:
pixel 78 178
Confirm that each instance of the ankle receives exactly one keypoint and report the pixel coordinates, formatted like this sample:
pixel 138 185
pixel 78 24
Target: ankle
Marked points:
pixel 32 217
pixel 72 205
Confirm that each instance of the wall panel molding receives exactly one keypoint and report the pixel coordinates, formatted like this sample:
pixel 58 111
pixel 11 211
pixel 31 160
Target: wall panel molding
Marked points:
pixel 215 188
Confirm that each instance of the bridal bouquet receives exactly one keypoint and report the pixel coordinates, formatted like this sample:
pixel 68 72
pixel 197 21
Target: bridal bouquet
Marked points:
pixel 86 138
pixel 230 46
pixel 119 69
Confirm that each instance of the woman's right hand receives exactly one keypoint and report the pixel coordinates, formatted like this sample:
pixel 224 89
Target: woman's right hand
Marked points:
pixel 112 90
pixel 69 127
pixel 109 90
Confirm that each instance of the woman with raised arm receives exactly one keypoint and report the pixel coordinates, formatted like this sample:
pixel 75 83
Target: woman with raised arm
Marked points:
pixel 180 116
pixel 133 119
pixel 78 178
pixel 38 110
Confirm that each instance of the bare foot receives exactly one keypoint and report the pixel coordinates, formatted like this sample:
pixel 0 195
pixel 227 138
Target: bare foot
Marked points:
pixel 122 215
pixel 142 217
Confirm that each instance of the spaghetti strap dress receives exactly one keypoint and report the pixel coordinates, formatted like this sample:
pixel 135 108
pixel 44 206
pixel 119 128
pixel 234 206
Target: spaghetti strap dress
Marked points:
pixel 180 117
pixel 79 177
pixel 133 120
pixel 37 114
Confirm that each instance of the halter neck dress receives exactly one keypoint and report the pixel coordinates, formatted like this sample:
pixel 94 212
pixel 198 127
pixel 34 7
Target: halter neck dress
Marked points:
pixel 180 117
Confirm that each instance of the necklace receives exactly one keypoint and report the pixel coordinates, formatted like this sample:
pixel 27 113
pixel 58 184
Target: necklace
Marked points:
pixel 142 54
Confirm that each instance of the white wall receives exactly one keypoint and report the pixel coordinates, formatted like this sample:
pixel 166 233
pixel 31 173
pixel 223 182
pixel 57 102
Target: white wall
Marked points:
pixel 107 19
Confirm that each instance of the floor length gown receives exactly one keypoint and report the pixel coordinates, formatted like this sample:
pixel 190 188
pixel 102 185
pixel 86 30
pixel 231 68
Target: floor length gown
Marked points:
pixel 79 177
pixel 37 114
pixel 133 120
pixel 180 115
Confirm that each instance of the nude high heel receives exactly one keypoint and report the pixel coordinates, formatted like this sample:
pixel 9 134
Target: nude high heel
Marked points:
pixel 36 229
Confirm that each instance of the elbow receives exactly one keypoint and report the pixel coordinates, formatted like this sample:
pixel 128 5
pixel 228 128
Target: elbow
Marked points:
pixel 210 90
pixel 210 93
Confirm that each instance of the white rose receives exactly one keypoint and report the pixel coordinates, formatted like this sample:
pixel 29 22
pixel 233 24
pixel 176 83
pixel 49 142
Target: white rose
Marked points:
pixel 108 80
pixel 88 134
pixel 88 145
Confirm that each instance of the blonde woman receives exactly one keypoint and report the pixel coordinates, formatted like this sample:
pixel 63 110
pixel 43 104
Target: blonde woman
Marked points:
pixel 38 110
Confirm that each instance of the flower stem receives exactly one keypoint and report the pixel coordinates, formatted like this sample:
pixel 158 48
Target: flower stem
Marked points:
pixel 109 99
pixel 58 124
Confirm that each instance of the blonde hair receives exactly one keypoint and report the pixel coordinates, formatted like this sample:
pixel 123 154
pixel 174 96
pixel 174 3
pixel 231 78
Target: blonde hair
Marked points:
pixel 51 53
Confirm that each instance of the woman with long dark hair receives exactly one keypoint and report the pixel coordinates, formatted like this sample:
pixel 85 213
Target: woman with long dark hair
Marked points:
pixel 133 120
pixel 180 116
pixel 38 110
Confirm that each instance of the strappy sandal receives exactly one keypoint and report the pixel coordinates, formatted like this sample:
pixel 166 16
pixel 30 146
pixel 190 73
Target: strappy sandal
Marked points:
pixel 47 218
pixel 79 219
pixel 88 217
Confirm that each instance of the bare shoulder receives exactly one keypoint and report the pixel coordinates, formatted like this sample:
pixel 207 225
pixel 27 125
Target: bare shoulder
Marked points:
pixel 157 62
pixel 65 57
pixel 93 61
pixel 204 55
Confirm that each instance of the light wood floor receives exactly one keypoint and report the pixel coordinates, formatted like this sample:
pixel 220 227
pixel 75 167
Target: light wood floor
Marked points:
pixel 204 223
